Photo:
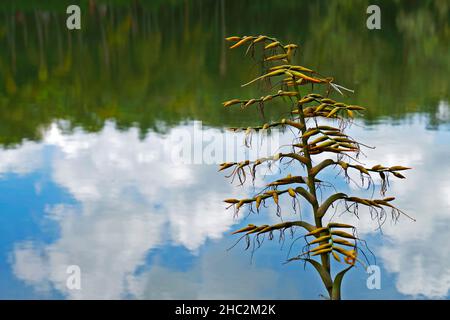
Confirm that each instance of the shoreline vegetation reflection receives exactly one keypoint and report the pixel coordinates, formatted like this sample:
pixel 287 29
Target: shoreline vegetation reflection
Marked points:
pixel 154 64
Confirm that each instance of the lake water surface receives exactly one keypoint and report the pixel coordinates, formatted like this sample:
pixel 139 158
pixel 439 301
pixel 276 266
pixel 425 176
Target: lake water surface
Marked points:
pixel 88 120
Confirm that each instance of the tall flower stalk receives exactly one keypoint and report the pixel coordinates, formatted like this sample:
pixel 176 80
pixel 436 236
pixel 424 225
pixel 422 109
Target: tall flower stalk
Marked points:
pixel 314 137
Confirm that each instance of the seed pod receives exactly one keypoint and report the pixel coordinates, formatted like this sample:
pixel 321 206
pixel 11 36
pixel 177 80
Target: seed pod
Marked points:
pixel 233 38
pixel 343 164
pixel 290 46
pixel 398 168
pixel 267 75
pixel 304 77
pixel 284 66
pixel 288 180
pixel 342 234
pixel 258 202
pixel 243 163
pixel 240 204
pixel 315 95
pixel 389 199
pixel 343 139
pixel 333 112
pixel 258 229
pixel 321 107
pixel 381 202
pixel 398 175
pixel 231 201
pixel 310 133
pixel 224 166
pixel 287 93
pixel 343 242
pixel 266 98
pixel 276 57
pixel 335 133
pixel 326 100
pixel 305 100
pixel 344 252
pixel 275 198
pixel 289 52
pixel 317 231
pixel 335 150
pixel 329 128
pixel 365 202
pixel 272 45
pixel 241 42
pixel 301 68
pixel 267 229
pixel 325 144
pixel 259 39
pixel 355 108
pixel 321 239
pixel 361 169
pixel 319 139
pixel 321 247
pixel 322 251
pixel 298 145
pixel 249 102
pixel 336 256
pixel 377 167
pixel 274 73
pixel 350 113
pixel 339 225
pixel 349 146
pixel 308 111
pixel 245 229
pixel 231 102
pixel 292 193
pixel 293 124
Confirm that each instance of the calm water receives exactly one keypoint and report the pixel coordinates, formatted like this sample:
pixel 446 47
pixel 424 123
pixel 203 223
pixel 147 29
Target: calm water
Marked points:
pixel 87 121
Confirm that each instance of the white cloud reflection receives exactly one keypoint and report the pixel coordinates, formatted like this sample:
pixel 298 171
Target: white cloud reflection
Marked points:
pixel 132 200
pixel 416 251
pixel 23 160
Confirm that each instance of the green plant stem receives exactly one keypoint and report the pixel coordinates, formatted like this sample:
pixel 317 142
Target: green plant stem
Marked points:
pixel 325 258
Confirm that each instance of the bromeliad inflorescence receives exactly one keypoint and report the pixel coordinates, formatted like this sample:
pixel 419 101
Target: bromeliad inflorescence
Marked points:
pixel 313 137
